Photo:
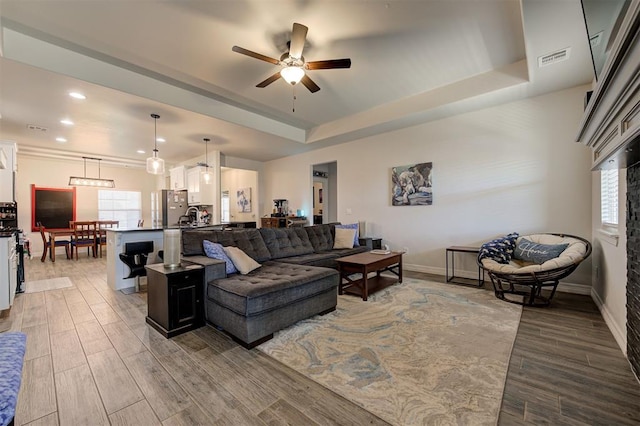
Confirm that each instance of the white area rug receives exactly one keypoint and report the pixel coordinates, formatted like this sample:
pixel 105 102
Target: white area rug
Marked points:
pixel 415 353
pixel 48 284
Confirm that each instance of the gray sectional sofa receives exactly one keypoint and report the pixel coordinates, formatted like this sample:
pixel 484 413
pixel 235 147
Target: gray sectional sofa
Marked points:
pixel 297 278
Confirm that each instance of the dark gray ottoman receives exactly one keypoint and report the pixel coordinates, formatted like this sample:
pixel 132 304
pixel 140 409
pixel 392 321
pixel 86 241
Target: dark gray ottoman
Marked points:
pixel 252 307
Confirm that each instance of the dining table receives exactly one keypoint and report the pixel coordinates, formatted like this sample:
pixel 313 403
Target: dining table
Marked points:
pixel 53 234
pixel 101 226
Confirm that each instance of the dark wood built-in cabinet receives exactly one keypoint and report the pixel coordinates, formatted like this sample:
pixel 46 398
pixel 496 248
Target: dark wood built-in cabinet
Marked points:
pixel 273 222
pixel 174 298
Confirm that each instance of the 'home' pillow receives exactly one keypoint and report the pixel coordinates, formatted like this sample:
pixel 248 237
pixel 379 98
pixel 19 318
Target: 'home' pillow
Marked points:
pixel 529 251
pixel 356 243
pixel 216 251
pixel 241 260
pixel 500 249
pixel 344 238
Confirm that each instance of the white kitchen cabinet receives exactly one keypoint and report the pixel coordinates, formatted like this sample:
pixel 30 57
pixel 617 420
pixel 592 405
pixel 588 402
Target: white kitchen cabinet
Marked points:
pixel 199 192
pixel 7 174
pixel 178 177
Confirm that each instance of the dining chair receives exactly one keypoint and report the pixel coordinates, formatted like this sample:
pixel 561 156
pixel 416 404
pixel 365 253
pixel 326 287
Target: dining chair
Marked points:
pixel 101 230
pixel 84 235
pixel 46 244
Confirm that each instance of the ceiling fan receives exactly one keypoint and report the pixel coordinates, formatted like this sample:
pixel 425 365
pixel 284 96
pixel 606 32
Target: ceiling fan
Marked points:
pixel 293 63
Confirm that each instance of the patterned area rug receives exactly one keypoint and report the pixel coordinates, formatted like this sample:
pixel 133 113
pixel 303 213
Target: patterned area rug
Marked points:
pixel 48 284
pixel 415 353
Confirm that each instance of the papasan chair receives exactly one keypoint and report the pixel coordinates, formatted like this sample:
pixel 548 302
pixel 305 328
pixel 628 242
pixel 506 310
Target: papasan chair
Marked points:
pixel 520 267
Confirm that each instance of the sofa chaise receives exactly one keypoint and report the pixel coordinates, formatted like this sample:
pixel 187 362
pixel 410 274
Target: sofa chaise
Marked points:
pixel 297 278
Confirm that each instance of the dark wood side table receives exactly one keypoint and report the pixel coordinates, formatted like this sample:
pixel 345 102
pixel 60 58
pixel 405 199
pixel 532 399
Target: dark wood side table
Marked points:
pixel 174 298
pixel 461 249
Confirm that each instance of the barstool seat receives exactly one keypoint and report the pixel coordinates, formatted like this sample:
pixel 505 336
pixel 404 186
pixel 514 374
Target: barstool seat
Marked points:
pixel 135 257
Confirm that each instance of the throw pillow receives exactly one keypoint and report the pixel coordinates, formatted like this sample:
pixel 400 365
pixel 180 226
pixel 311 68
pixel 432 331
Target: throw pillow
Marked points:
pixel 344 238
pixel 537 253
pixel 241 260
pixel 501 249
pixel 216 251
pixel 356 243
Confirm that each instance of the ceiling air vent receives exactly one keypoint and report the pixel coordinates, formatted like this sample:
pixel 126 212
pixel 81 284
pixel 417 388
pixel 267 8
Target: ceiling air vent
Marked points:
pixel 554 58
pixel 37 128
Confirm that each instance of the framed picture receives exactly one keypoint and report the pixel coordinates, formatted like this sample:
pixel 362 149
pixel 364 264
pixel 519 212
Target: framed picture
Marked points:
pixel 243 200
pixel 411 185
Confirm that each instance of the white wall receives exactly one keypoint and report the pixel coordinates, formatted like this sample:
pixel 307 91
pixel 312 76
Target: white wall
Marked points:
pixel 233 179
pixel 610 263
pixel 261 203
pixel 514 167
pixel 54 173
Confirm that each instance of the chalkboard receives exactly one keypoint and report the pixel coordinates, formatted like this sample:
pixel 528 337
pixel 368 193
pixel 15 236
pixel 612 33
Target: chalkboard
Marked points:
pixel 53 207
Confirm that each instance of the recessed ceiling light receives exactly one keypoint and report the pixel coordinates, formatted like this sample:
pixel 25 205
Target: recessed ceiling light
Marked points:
pixel 77 95
pixel 60 139
pixel 67 122
pixel 140 151
pixel 161 140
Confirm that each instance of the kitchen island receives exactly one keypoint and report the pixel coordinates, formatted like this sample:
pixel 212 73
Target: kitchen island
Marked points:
pixel 116 240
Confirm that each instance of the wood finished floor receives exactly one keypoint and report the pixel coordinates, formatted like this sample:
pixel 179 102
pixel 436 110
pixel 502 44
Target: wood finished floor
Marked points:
pixel 91 359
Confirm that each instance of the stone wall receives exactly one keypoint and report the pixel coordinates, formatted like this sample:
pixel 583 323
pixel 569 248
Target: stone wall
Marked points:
pixel 633 267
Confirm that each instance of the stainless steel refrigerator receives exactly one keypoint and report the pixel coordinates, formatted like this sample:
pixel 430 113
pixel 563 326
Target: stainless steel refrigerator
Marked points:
pixel 172 206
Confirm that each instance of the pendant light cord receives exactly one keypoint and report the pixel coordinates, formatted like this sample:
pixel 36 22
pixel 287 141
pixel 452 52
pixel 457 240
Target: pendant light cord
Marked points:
pixel 155 134
pixel 206 153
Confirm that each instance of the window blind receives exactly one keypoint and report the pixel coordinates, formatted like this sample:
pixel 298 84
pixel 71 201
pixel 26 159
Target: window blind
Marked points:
pixel 609 197
pixel 123 206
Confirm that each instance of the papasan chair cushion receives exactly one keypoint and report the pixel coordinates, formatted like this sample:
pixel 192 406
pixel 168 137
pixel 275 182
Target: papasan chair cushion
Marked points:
pixel 537 260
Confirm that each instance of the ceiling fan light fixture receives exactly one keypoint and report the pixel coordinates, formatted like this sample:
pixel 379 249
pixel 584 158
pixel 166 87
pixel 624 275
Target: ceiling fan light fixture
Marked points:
pixel 155 164
pixel 292 74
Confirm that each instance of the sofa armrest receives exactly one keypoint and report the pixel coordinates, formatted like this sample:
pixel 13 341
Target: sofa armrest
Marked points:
pixel 213 268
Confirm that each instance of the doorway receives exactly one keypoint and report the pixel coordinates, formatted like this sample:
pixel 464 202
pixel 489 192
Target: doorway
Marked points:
pixel 324 190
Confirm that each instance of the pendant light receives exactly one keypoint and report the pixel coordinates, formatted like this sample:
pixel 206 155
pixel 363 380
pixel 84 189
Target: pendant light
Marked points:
pixel 95 182
pixel 207 178
pixel 155 164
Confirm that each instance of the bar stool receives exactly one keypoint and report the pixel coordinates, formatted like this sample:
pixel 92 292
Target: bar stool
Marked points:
pixel 135 257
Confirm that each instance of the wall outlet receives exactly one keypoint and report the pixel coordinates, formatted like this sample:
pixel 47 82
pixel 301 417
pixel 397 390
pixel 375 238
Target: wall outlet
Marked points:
pixel 349 211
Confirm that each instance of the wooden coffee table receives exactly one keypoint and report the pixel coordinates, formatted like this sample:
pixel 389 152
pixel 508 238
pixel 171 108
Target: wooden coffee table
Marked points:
pixel 366 263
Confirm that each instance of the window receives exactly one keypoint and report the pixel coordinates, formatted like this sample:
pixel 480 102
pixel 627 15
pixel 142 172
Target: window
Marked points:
pixel 225 206
pixel 609 197
pixel 123 206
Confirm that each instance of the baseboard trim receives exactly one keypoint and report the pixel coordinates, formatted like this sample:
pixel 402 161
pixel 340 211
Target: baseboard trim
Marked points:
pixel 564 287
pixel 573 288
pixel 429 270
pixel 621 338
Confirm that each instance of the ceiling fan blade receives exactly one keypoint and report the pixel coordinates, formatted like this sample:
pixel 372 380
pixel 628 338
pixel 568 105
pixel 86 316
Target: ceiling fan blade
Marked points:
pixel 244 51
pixel 269 80
pixel 329 64
pixel 310 84
pixel 298 37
